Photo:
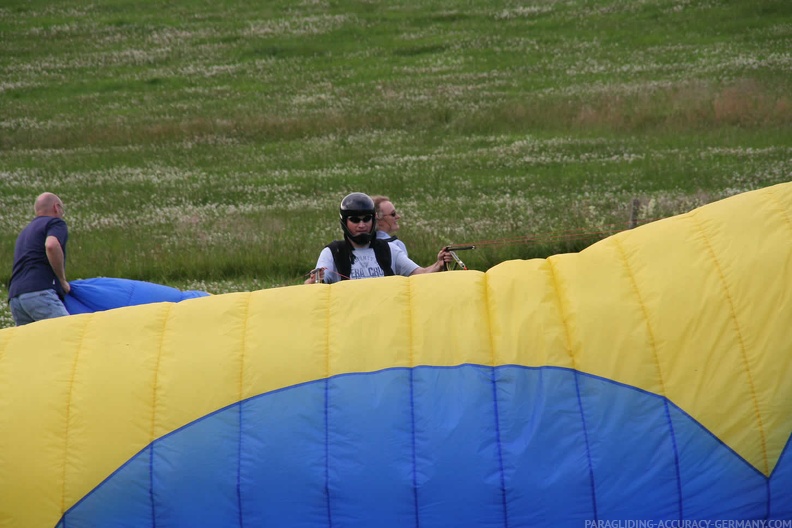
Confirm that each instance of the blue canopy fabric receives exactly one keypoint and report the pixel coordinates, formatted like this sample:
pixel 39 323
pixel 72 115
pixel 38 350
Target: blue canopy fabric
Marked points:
pixel 105 293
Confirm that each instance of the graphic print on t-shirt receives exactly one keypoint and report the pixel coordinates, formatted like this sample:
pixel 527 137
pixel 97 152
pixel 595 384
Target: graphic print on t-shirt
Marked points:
pixel 365 265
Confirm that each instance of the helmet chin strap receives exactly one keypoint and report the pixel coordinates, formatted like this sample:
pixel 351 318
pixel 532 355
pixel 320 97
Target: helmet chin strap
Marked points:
pixel 363 238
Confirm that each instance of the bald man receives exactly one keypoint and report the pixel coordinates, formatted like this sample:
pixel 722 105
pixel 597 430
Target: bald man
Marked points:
pixel 38 279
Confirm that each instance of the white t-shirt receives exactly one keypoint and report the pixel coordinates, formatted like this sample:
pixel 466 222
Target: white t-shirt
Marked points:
pixel 366 265
pixel 398 243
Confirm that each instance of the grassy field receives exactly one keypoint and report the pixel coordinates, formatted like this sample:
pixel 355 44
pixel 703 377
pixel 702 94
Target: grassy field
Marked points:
pixel 206 145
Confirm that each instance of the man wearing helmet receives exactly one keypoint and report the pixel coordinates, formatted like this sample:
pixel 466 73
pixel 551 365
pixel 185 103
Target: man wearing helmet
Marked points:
pixel 360 255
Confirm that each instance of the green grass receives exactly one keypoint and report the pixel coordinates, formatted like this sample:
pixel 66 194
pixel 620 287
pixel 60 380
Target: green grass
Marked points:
pixel 207 144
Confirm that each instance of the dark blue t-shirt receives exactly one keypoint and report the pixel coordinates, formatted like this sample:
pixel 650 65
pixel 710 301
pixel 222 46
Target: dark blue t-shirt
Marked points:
pixel 32 271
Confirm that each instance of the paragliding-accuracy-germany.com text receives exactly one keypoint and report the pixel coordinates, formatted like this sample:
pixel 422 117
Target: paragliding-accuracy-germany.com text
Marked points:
pixel 720 523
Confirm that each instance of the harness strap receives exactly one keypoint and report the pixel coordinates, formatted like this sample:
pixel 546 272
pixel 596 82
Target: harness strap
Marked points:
pixel 344 257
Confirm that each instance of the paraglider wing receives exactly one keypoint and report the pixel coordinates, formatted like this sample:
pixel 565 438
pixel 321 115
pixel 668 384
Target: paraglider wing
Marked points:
pixel 645 378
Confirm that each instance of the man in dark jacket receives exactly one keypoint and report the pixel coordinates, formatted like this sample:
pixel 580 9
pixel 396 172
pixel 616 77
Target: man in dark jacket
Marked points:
pixel 38 279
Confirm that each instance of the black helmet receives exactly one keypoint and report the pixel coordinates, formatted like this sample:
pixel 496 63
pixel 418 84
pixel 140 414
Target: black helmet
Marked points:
pixel 358 204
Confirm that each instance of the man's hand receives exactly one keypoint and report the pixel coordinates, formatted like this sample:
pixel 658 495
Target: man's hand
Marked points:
pixel 317 275
pixel 443 258
pixel 57 261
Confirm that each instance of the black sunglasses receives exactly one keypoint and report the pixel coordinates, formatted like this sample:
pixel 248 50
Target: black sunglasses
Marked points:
pixel 358 219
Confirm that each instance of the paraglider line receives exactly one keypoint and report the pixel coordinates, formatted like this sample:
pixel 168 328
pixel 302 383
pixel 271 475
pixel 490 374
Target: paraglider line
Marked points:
pixel 565 236
pixel 569 236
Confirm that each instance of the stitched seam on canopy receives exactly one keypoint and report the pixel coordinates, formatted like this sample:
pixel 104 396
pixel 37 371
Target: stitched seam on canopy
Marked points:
pixel 69 399
pixel 496 408
pixel 782 209
pixel 656 359
pixel 568 339
pixel 740 340
pixel 241 390
pixel 772 194
pixel 152 430
pixel 327 410
pixel 133 287
pixel 10 332
pixel 411 341
pixel 562 313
